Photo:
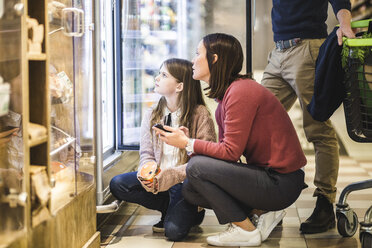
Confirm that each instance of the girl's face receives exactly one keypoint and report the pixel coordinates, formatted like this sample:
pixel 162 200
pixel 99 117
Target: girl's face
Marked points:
pixel 166 84
pixel 200 64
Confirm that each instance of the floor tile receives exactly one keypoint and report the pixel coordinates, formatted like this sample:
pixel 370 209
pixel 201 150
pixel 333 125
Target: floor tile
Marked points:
pixel 284 243
pixel 106 240
pixel 199 235
pixel 139 231
pixel 330 234
pixel 146 220
pixel 210 221
pixel 209 212
pixel 194 245
pixel 118 220
pixel 333 243
pixel 285 232
pixel 360 204
pixel 366 165
pixel 139 241
pixel 145 211
pixel 291 222
pixel 291 212
pixel 107 230
pixel 127 209
pixel 351 169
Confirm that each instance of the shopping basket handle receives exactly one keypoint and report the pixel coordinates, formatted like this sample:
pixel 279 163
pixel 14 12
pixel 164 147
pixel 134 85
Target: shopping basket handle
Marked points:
pixel 355 41
pixel 359 24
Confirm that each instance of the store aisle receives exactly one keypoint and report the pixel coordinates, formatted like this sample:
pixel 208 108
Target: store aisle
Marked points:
pixel 131 225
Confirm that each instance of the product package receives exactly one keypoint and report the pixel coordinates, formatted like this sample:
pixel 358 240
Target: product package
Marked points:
pixel 4 97
pixel 148 171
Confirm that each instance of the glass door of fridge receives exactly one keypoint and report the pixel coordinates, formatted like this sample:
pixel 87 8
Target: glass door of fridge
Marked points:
pixel 12 177
pixel 84 98
pixel 71 90
pixel 150 32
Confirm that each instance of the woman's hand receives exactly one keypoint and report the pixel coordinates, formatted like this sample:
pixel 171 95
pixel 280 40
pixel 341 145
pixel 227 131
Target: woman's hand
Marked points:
pixel 176 137
pixel 185 130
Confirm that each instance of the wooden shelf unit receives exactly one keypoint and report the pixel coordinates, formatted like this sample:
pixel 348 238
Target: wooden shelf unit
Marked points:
pixel 38 141
pixel 73 224
pixel 37 57
pixel 38 103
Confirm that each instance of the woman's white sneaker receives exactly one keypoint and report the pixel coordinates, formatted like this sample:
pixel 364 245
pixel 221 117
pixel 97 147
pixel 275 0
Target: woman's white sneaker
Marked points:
pixel 268 221
pixel 235 236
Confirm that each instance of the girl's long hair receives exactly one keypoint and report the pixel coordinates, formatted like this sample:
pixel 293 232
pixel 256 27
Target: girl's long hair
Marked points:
pixel 228 65
pixel 189 98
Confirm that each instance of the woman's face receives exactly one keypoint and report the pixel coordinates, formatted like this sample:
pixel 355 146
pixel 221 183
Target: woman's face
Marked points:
pixel 200 64
pixel 166 84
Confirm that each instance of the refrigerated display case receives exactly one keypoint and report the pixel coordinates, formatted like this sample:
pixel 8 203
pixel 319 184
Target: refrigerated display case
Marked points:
pixel 150 32
pixel 71 90
pixel 47 164
pixel 12 176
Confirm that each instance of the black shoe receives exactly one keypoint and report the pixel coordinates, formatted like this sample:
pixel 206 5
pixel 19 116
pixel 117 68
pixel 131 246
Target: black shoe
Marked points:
pixel 199 217
pixel 322 219
pixel 158 227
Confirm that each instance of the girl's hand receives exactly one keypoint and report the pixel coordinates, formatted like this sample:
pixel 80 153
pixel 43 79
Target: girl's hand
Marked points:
pixel 154 185
pixel 148 184
pixel 176 137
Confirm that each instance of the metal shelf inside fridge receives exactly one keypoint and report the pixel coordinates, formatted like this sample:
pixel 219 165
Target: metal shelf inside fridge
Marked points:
pixel 138 34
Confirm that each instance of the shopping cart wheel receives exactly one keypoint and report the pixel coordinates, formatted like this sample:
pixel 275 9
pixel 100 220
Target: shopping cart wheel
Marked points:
pixel 345 227
pixel 366 240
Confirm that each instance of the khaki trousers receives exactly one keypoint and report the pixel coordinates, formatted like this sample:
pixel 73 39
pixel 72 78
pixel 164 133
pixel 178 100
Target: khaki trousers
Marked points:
pixel 290 75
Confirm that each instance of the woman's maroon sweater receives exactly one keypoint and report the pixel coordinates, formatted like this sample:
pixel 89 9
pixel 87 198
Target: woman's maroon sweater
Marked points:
pixel 252 122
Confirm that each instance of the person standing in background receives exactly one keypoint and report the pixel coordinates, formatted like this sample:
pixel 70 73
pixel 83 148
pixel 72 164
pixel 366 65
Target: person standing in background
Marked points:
pixel 299 30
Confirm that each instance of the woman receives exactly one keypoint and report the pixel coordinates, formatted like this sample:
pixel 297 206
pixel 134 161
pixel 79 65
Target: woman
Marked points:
pixel 252 123
pixel 181 104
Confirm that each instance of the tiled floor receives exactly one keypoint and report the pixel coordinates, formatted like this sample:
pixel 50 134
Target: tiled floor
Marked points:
pixel 131 225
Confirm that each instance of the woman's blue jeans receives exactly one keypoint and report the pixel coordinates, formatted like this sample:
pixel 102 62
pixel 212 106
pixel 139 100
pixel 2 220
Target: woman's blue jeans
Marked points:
pixel 178 215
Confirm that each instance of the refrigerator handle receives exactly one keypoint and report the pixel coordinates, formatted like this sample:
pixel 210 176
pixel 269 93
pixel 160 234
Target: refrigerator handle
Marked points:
pixel 126 18
pixel 73 22
pixel 254 14
pixel 81 23
pixel 18 8
pixel 1 8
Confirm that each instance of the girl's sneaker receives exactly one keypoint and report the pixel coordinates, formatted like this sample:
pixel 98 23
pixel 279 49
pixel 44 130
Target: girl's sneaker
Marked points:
pixel 158 227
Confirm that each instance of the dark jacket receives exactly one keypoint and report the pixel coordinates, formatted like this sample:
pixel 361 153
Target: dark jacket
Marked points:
pixel 329 90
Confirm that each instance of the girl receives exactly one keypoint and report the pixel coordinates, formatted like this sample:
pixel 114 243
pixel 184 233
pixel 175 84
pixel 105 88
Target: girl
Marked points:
pixel 252 123
pixel 181 104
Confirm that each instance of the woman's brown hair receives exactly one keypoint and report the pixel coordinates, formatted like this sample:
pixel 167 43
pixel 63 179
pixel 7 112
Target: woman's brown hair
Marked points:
pixel 229 62
pixel 189 98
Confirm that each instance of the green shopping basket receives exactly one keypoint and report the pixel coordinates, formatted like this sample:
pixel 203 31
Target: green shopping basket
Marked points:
pixel 358 86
